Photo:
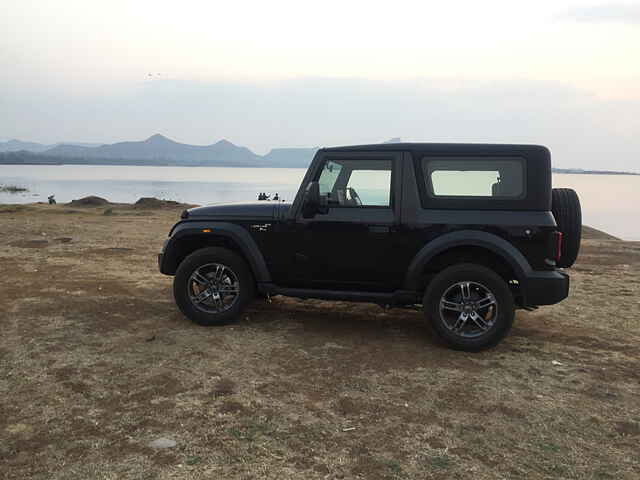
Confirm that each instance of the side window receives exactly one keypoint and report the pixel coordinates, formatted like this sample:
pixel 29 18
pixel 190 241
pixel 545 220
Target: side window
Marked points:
pixel 356 183
pixel 328 176
pixel 372 187
pixel 474 177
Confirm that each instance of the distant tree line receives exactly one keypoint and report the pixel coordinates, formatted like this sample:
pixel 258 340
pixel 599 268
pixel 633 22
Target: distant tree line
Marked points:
pixel 24 157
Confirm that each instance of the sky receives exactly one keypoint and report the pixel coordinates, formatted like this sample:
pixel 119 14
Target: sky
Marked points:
pixel 291 73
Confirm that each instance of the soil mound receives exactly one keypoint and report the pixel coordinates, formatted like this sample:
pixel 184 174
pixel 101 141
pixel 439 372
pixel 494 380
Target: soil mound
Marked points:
pixel 152 202
pixel 594 234
pixel 90 201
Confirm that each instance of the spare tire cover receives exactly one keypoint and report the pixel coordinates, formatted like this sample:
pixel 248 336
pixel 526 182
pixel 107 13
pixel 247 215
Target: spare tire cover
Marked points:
pixel 565 206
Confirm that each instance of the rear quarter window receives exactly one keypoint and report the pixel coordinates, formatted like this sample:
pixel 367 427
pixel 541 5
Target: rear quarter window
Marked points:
pixel 474 177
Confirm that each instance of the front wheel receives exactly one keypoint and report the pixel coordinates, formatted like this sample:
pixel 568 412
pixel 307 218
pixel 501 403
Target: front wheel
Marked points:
pixel 212 286
pixel 470 307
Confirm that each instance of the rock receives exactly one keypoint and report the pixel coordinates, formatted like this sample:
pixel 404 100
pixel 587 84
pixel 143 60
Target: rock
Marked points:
pixel 148 202
pixel 163 442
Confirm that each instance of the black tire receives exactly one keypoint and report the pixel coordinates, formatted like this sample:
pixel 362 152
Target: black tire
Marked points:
pixel 497 317
pixel 565 206
pixel 203 314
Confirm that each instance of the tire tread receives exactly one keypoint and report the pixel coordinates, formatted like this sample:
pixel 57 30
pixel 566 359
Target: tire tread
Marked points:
pixel 567 212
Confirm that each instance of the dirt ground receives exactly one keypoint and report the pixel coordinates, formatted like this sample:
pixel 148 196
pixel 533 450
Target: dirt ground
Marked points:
pixel 96 362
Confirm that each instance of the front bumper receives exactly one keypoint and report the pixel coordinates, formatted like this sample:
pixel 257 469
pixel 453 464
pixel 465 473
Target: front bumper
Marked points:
pixel 545 288
pixel 162 257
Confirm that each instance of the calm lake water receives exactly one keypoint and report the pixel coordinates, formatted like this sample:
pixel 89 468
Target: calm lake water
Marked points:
pixel 609 202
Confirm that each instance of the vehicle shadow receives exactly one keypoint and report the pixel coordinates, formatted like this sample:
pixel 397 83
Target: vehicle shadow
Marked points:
pixel 317 322
pixel 345 338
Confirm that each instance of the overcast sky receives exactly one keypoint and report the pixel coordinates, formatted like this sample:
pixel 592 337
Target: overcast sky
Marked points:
pixel 294 73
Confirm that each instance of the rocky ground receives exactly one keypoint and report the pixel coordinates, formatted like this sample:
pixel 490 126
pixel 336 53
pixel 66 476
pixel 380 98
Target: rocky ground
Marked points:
pixel 102 377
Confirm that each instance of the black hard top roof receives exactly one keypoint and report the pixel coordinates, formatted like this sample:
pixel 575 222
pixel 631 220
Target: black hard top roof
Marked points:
pixel 439 148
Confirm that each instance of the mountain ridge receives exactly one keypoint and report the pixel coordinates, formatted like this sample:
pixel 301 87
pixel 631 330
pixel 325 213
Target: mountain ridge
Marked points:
pixel 159 150
pixel 154 150
pixel 14 145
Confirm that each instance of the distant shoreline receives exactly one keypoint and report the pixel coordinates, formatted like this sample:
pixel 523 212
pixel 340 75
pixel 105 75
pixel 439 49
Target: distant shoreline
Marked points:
pixel 579 171
pixel 159 151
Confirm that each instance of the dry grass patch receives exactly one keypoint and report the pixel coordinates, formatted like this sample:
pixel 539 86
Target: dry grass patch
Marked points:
pixel 96 362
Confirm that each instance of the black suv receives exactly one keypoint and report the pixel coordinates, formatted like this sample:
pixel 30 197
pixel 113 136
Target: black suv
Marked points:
pixel 470 231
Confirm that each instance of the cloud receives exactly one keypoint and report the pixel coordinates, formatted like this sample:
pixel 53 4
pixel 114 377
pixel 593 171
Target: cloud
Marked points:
pixel 626 13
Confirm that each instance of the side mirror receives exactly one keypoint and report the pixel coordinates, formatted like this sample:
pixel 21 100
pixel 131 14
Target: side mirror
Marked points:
pixel 314 202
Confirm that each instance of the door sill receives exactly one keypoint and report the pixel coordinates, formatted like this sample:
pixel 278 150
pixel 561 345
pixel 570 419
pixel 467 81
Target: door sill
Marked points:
pixel 399 297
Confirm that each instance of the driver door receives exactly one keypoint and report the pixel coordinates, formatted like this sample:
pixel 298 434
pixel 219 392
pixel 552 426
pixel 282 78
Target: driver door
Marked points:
pixel 353 246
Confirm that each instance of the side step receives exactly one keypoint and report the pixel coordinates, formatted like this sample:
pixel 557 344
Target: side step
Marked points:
pixel 399 297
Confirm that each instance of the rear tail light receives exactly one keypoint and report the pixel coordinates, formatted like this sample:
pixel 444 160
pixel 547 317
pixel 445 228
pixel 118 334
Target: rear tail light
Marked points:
pixel 558 245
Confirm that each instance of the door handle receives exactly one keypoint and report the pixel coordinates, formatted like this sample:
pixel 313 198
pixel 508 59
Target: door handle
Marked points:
pixel 378 229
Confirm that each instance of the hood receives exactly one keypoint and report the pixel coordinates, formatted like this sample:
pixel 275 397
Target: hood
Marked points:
pixel 262 209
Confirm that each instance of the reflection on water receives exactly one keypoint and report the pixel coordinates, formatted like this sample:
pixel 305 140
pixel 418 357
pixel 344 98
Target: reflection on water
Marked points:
pixel 609 202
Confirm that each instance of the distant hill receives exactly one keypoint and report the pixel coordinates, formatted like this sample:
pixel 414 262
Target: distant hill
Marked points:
pixel 161 149
pixel 289 157
pixel 17 145
pixel 155 150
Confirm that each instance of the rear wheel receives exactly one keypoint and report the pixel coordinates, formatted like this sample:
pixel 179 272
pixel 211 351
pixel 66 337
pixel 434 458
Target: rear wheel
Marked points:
pixel 212 286
pixel 470 307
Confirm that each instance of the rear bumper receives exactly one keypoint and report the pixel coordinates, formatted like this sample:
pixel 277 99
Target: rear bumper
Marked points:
pixel 545 288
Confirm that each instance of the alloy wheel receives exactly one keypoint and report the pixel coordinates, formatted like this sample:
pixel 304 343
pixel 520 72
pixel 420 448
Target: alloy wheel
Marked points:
pixel 213 288
pixel 468 309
